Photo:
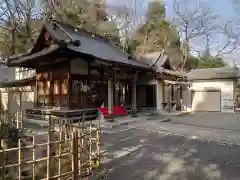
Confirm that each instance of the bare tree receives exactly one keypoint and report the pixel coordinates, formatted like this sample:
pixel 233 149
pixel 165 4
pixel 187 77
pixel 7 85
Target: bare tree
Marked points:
pixel 9 22
pixel 29 14
pixel 16 25
pixel 128 17
pixel 198 24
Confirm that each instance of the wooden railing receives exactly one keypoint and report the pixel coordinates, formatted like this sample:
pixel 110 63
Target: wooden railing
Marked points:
pixel 66 151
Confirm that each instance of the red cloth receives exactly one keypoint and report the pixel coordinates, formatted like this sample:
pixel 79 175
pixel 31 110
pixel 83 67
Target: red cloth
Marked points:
pixel 117 110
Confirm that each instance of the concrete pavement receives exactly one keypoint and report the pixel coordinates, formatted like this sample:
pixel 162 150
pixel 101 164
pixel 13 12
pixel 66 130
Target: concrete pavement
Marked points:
pixel 216 120
pixel 191 132
pixel 154 150
pixel 140 154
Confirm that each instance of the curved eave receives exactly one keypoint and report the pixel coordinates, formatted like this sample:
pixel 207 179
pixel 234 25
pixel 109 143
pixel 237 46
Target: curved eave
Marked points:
pixel 21 61
pixel 171 73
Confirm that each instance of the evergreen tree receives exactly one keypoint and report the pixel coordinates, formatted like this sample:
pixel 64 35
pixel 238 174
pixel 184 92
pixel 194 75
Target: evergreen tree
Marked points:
pixel 205 62
pixel 156 34
pixel 90 15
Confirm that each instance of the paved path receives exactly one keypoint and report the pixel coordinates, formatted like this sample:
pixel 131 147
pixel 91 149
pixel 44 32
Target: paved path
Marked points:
pixel 191 132
pixel 190 126
pixel 225 121
pixel 140 154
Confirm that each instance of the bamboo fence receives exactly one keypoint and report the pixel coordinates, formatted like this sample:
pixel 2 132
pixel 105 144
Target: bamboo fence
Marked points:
pixel 66 151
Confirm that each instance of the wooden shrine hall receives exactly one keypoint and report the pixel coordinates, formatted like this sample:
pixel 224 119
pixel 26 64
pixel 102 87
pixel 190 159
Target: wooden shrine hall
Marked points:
pixel 76 71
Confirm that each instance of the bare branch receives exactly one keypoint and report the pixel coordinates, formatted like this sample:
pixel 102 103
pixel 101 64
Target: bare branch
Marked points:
pixel 198 23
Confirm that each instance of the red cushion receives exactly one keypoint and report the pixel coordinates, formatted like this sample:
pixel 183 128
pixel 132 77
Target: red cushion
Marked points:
pixel 117 110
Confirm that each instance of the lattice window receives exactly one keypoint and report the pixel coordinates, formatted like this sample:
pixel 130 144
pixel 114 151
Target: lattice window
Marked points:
pixel 24 73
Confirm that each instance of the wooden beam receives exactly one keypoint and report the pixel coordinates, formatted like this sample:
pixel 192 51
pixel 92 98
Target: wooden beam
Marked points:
pixel 165 77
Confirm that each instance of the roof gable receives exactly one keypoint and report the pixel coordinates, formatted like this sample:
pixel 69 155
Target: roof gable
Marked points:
pixel 158 60
pixel 80 41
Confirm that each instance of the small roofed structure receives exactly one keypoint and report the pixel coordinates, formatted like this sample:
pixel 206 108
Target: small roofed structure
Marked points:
pixel 77 70
pixel 172 82
pixel 213 89
pixel 161 63
pixel 214 73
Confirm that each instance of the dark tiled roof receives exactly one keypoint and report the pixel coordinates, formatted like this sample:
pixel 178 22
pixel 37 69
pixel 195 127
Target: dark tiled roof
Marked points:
pixel 94 45
pixel 213 73
pixel 21 59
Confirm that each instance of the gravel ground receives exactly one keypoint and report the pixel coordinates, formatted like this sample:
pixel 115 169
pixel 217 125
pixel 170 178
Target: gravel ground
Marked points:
pixel 138 154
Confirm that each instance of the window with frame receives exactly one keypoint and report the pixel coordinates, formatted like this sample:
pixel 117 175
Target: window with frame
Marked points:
pixel 56 92
pixel 43 93
pixel 24 73
pixel 64 92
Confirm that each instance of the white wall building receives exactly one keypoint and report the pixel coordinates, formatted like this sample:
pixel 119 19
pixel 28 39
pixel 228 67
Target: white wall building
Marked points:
pixel 211 90
pixel 16 96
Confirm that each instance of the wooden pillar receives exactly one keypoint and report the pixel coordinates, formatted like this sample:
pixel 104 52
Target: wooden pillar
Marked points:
pixel 114 86
pixel 51 86
pixel 89 102
pixel 159 94
pixel 178 99
pixel 36 92
pixel 134 96
pixel 169 98
pixel 69 81
pixel 110 95
pixel 20 101
pixel 102 90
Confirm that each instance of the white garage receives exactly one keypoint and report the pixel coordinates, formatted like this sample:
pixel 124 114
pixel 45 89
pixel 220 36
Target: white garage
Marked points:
pixel 212 89
pixel 206 101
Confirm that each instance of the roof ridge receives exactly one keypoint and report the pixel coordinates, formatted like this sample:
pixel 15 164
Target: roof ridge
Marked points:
pixel 93 35
pixel 83 30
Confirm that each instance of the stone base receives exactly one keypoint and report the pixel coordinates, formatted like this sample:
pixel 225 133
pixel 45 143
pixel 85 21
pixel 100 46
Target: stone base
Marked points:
pixel 134 114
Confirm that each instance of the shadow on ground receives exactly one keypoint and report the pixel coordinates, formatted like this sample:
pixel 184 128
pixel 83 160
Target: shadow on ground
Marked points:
pixel 137 154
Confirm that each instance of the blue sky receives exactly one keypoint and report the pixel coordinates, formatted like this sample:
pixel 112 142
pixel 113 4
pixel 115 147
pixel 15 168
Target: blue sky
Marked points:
pixel 223 7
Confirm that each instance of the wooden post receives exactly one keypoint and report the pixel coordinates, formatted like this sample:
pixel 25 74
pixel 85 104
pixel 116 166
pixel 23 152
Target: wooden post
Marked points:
pixel 3 157
pixel 33 157
pixel 169 99
pixel 60 153
pixel 74 150
pixel 21 119
pixel 51 85
pixel 49 148
pixel 98 144
pixel 17 114
pixel 20 101
pixel 134 96
pixel 90 148
pixel 114 86
pixel 110 96
pixel 79 152
pixel 19 159
pixel 69 85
